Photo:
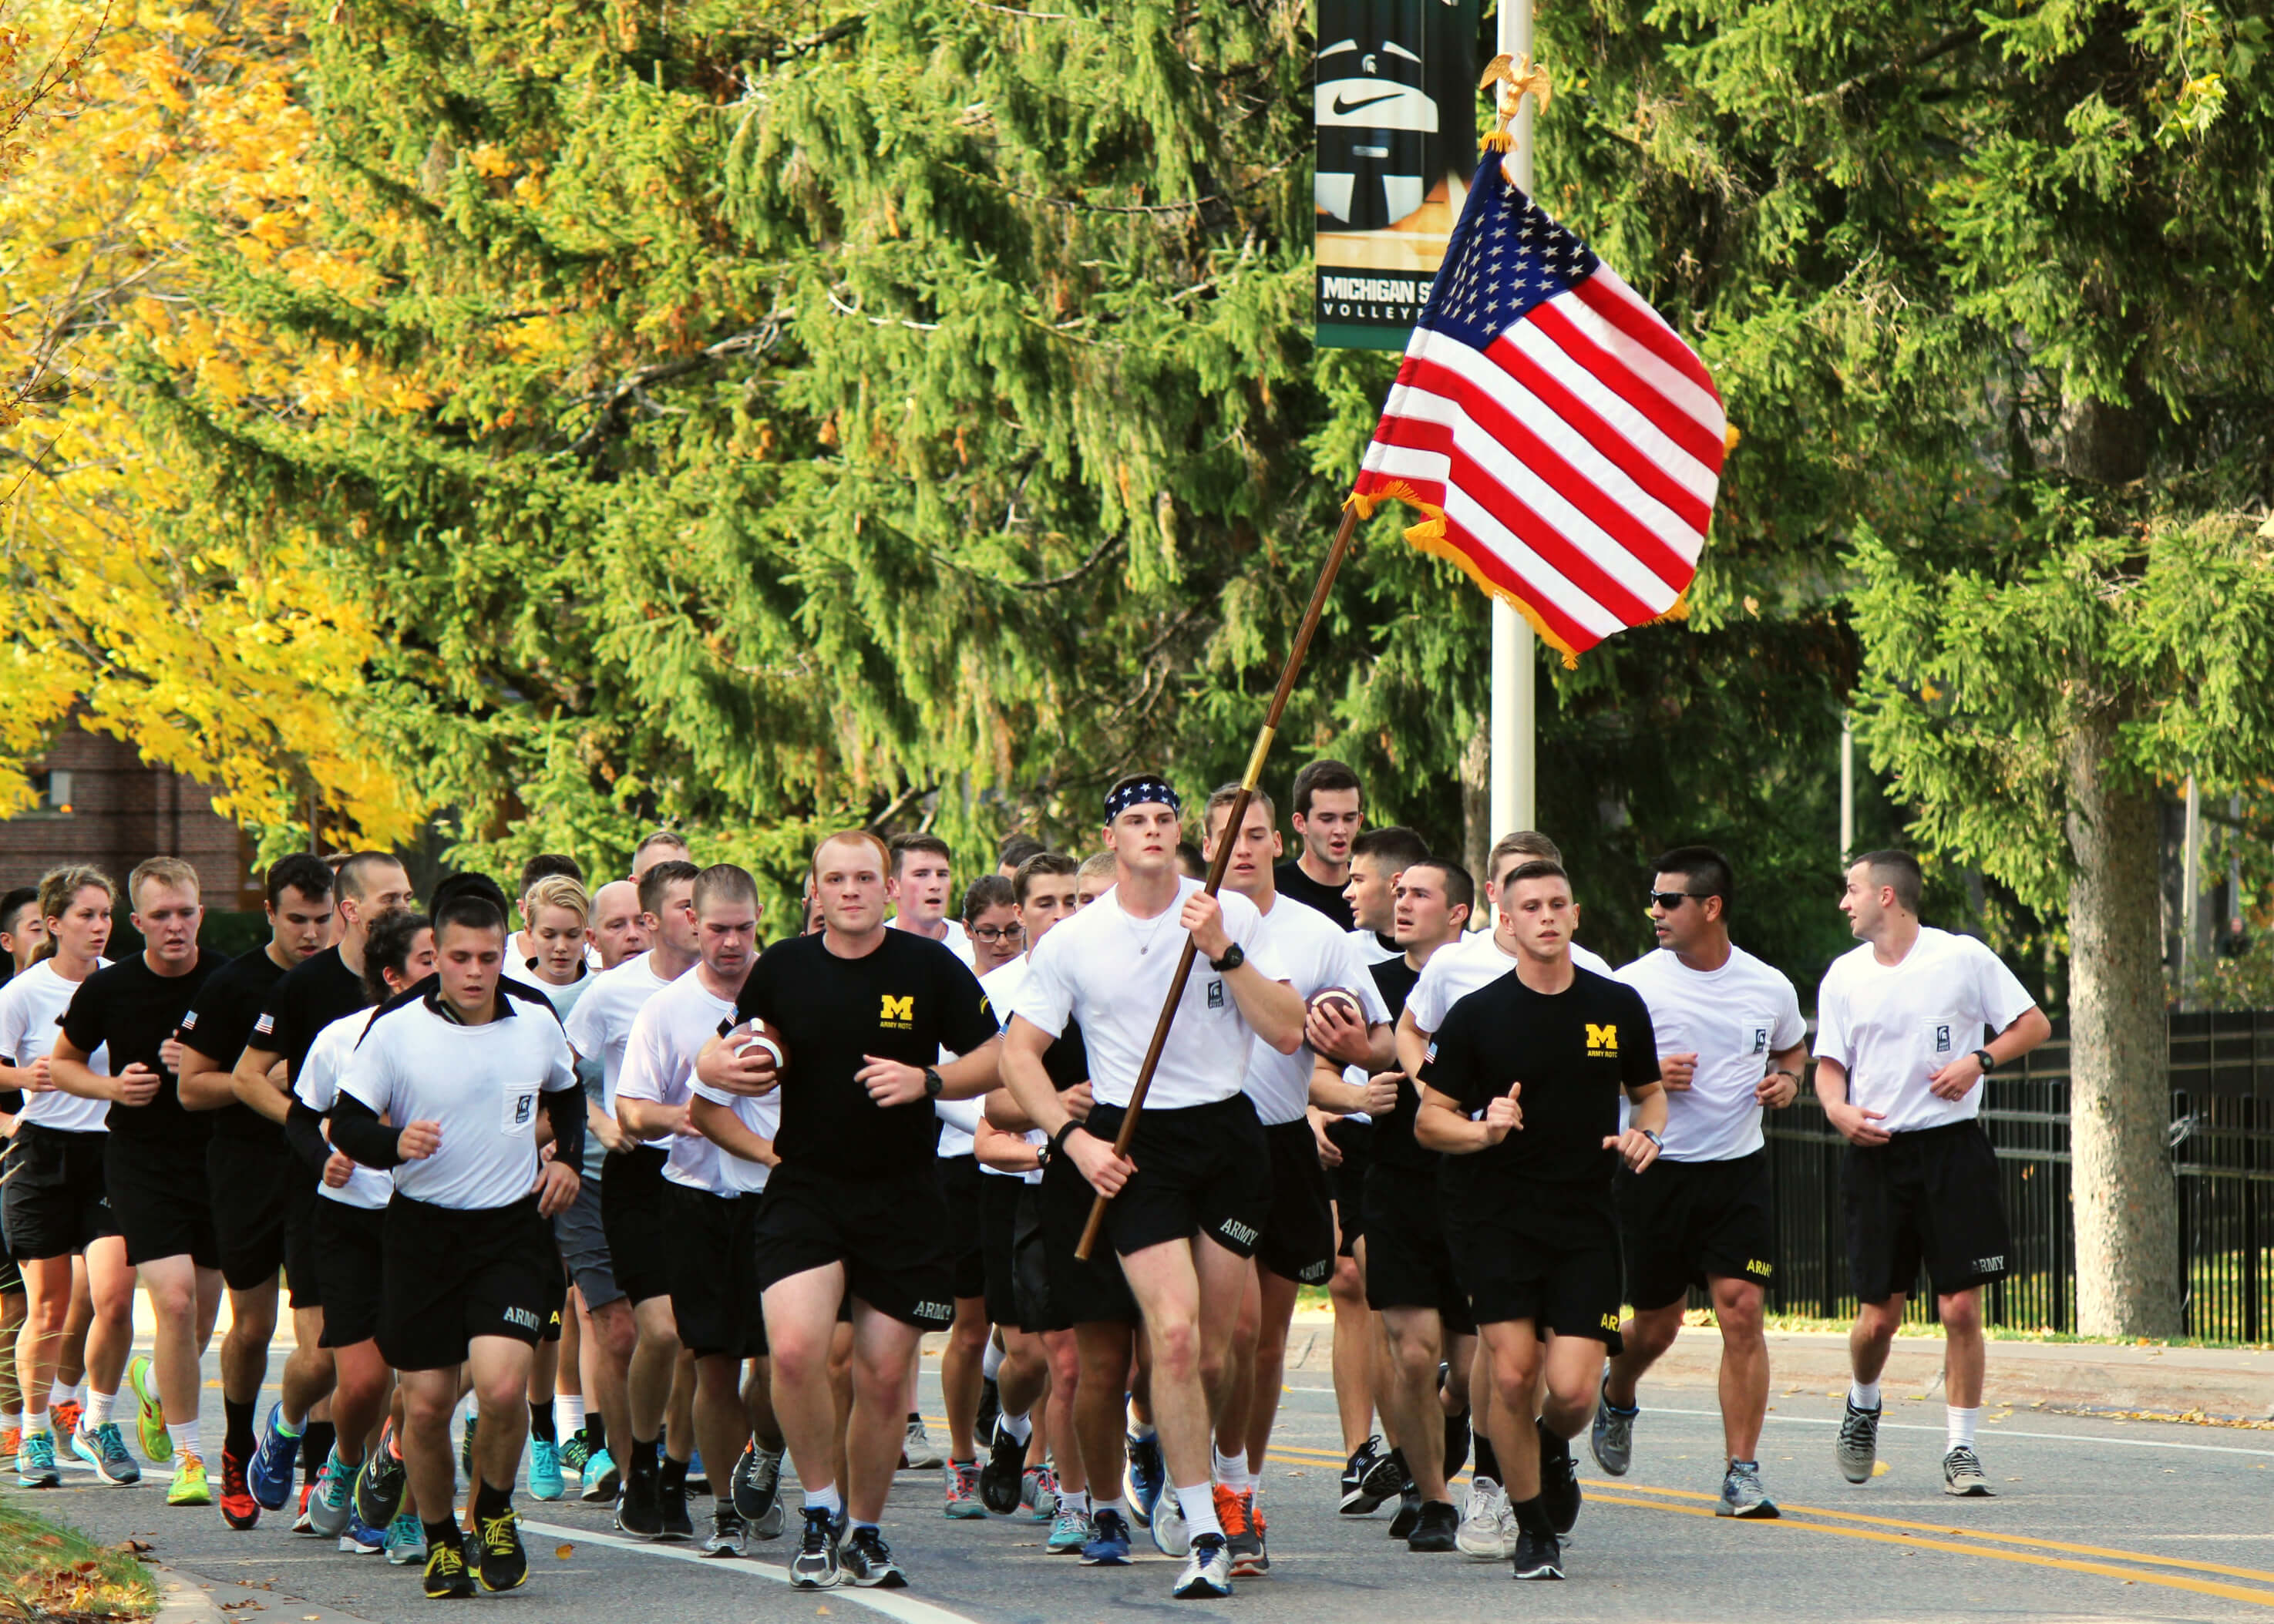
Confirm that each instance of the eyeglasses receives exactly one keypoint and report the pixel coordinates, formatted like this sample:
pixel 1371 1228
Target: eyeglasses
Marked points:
pixel 1671 901
pixel 992 934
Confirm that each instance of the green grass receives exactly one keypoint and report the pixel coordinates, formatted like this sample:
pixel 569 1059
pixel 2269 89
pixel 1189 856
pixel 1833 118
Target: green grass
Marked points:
pixel 48 1569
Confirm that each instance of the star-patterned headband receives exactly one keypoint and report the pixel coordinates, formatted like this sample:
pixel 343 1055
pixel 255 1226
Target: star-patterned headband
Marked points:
pixel 1137 792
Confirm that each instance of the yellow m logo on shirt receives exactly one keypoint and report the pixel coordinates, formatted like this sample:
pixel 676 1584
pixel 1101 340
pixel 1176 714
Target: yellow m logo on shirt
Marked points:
pixel 1602 1040
pixel 899 1009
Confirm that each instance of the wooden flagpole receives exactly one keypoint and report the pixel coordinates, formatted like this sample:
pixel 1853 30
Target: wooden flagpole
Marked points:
pixel 1247 783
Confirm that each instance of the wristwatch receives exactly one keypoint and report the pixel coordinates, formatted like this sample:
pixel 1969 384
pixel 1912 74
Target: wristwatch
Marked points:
pixel 1231 960
pixel 1987 1061
pixel 933 1083
pixel 1653 1138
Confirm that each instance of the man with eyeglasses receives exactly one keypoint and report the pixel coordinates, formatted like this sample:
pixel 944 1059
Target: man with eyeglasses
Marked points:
pixel 1730 1044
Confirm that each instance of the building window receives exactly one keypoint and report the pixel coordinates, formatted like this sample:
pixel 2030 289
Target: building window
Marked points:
pixel 54 788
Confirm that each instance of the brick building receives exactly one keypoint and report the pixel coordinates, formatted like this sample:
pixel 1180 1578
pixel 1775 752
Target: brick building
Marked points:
pixel 101 803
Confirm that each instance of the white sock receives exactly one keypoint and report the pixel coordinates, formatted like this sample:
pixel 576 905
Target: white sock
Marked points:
pixel 1117 1506
pixel 991 1363
pixel 1197 1501
pixel 1069 1500
pixel 289 1426
pixel 826 1495
pixel 1018 1428
pixel 1228 1468
pixel 1962 1425
pixel 1864 1395
pixel 1141 1431
pixel 186 1440
pixel 567 1415
pixel 98 1408
pixel 79 1393
pixel 58 1394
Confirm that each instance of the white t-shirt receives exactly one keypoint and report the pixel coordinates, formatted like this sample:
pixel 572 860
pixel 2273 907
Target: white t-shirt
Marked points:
pixel 668 1033
pixel 1371 948
pixel 1461 967
pixel 1313 953
pixel 318 1084
pixel 1733 1019
pixel 1111 972
pixel 601 1022
pixel 30 1006
pixel 481 1083
pixel 957 941
pixel 1001 985
pixel 1893 1026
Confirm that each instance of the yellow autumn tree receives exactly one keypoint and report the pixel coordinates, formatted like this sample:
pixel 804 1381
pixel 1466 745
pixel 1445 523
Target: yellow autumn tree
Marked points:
pixel 150 142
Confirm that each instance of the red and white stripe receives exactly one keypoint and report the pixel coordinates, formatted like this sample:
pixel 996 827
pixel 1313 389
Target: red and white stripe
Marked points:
pixel 1575 459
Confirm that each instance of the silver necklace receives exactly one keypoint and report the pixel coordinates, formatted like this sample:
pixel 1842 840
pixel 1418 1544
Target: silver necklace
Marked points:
pixel 1145 938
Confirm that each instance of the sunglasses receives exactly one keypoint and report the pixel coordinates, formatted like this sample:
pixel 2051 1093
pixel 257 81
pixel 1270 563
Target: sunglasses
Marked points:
pixel 996 932
pixel 1671 900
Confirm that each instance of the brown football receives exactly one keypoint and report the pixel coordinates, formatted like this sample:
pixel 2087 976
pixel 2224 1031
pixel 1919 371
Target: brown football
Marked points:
pixel 762 1036
pixel 1336 994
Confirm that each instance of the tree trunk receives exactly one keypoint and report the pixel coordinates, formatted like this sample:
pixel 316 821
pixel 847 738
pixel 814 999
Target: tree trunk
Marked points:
pixel 2122 1195
pixel 1477 836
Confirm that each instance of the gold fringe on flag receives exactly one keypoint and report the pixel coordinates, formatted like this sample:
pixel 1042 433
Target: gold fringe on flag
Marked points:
pixel 1429 536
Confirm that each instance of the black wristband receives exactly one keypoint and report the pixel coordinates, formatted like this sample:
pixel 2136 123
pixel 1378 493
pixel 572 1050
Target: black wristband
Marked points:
pixel 1058 1140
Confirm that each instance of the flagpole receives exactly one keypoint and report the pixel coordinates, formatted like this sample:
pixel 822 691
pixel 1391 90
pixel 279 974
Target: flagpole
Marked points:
pixel 1514 658
pixel 1247 782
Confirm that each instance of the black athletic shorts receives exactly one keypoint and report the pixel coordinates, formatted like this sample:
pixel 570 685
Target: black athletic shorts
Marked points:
pixel 55 1198
pixel 1686 1222
pixel 1080 1293
pixel 960 1179
pixel 449 1275
pixel 1407 1263
pixel 556 1289
pixel 1298 1243
pixel 1355 1140
pixel 1018 1273
pixel 246 1182
pixel 891 1234
pixel 158 1193
pixel 302 1275
pixel 1548 1254
pixel 1201 1169
pixel 1928 1196
pixel 714 1284
pixel 635 1215
pixel 349 1267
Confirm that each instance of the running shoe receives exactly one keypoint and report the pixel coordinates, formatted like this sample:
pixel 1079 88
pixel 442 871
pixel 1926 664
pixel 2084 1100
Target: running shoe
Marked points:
pixel 638 1510
pixel 1612 1436
pixel 757 1491
pixel 189 1488
pixel 1172 1536
pixel 1408 1514
pixel 1559 1480
pixel 602 1480
pixel 406 1541
pixel 917 1451
pixel 544 1469
pixel 238 1508
pixel 1538 1555
pixel 301 1524
pixel 1962 1474
pixel 1145 1480
pixel 671 1510
pixel 963 1502
pixel 1070 1531
pixel 379 1486
pixel 359 1538
pixel 1254 1508
pixel 270 1472
pixel 998 1479
pixel 575 1449
pixel 332 1503
pixel 727 1531
pixel 868 1561
pixel 1859 1442
pixel 1458 1431
pixel 1239 1541
pixel 497 1541
pixel 149 1414
pixel 447 1578
pixel 466 1447
pixel 1438 1529
pixel 35 1462
pixel 1038 1492
pixel 1208 1571
pixel 1489 1532
pixel 1370 1478
pixel 1108 1545
pixel 815 1567
pixel 1742 1494
pixel 11 1441
pixel 990 1406
pixel 102 1449
pixel 64 1418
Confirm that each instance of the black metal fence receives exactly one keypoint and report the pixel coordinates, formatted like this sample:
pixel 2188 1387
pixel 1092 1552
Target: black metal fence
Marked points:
pixel 2222 1139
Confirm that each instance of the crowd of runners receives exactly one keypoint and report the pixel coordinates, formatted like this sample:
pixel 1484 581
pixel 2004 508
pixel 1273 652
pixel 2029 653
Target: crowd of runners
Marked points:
pixel 663 1210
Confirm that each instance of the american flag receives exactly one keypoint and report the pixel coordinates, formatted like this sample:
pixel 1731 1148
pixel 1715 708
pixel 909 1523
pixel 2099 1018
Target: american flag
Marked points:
pixel 1562 442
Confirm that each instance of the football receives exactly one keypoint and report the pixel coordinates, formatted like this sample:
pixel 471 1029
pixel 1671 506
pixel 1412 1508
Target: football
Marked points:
pixel 1336 994
pixel 762 1036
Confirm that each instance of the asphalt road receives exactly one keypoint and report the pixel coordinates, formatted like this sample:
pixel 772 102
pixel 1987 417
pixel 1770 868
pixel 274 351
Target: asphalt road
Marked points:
pixel 2093 1519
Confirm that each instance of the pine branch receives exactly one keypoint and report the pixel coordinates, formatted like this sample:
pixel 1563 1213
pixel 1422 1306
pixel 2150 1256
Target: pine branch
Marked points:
pixel 630 387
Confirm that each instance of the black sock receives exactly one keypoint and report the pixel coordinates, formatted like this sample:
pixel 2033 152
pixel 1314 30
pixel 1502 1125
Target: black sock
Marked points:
pixel 914 1417
pixel 444 1533
pixel 540 1422
pixel 1486 1463
pixel 640 1467
pixel 488 1502
pixel 596 1431
pixel 316 1448
pixel 237 1438
pixel 673 1479
pixel 1553 1446
pixel 1532 1516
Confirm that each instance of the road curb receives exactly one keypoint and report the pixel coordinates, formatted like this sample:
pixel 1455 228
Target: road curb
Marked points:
pixel 188 1598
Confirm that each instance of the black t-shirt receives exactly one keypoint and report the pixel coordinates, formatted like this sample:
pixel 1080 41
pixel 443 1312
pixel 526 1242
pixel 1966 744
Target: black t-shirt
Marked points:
pixel 1573 1051
pixel 219 1022
pixel 1066 1060
pixel 134 1009
pixel 1394 1144
pixel 309 997
pixel 905 1001
pixel 1292 882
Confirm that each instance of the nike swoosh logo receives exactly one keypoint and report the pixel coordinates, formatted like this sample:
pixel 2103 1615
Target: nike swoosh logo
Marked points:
pixel 1344 109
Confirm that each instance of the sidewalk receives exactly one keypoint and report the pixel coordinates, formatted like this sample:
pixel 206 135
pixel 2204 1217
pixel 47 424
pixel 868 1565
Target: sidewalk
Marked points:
pixel 185 1598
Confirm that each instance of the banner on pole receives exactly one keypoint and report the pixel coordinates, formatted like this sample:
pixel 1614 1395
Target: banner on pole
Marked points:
pixel 1396 121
